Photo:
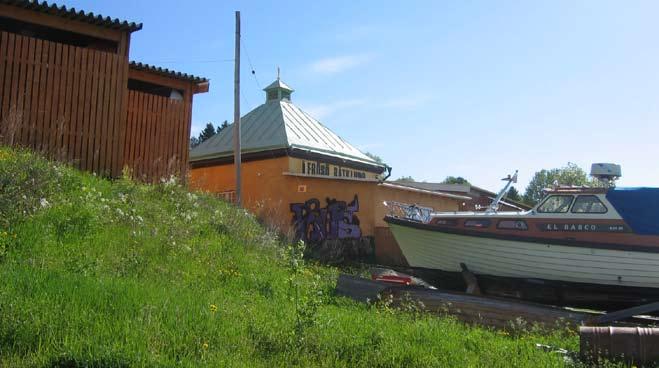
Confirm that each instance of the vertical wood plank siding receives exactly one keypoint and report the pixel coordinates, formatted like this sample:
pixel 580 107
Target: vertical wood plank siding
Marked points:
pixel 73 104
pixel 153 150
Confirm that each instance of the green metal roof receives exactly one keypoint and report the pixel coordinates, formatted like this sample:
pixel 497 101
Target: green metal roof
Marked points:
pixel 278 84
pixel 279 124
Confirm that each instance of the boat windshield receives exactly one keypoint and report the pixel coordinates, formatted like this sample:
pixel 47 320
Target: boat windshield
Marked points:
pixel 556 204
pixel 588 204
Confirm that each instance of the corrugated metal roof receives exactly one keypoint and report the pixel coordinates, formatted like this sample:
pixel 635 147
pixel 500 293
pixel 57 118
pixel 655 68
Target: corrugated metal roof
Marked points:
pixel 461 188
pixel 464 188
pixel 166 72
pixel 72 14
pixel 280 124
pixel 396 185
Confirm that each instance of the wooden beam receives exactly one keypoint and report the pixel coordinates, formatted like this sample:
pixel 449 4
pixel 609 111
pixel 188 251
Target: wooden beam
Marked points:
pixel 54 21
pixel 201 87
pixel 626 313
pixel 495 312
pixel 470 280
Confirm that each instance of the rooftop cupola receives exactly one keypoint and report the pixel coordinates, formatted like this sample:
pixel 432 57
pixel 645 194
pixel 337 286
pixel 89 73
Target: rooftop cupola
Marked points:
pixel 277 91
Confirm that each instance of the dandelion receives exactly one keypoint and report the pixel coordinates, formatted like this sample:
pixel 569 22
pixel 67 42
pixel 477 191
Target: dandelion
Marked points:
pixel 213 308
pixel 205 346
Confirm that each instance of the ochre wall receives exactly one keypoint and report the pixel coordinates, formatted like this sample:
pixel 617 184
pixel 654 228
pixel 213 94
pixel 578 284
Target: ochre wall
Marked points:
pixel 260 179
pixel 269 193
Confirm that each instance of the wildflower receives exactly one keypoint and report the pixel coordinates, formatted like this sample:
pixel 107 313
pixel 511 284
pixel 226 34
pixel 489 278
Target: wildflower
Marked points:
pixel 213 308
pixel 44 203
pixel 205 346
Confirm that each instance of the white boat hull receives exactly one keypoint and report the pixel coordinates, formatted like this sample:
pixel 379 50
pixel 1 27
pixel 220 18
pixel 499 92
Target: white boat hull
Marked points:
pixel 517 259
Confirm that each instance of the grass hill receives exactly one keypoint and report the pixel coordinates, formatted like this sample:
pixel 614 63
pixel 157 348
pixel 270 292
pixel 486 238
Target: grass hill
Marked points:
pixel 99 273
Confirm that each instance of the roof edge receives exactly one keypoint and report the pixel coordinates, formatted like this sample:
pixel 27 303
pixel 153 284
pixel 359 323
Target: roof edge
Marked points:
pixel 227 158
pixel 334 153
pixel 430 192
pixel 72 14
pixel 167 72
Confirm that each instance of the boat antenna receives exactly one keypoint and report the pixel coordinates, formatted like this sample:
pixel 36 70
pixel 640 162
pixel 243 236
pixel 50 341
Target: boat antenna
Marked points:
pixel 495 204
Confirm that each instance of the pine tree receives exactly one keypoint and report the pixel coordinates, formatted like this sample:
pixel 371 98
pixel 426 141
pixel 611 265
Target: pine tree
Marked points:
pixel 220 127
pixel 208 132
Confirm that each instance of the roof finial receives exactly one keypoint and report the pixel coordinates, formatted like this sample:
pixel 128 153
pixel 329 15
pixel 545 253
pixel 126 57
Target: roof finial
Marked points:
pixel 277 72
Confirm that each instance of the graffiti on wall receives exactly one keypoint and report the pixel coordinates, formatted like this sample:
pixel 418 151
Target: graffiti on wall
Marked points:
pixel 336 220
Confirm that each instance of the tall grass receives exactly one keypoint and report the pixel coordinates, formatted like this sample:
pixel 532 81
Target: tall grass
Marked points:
pixel 117 274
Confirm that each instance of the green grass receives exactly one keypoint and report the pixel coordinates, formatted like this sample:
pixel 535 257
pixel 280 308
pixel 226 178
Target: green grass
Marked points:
pixel 117 274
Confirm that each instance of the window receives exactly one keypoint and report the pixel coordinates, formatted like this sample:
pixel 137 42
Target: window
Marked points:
pixel 445 222
pixel 480 223
pixel 512 225
pixel 556 204
pixel 588 204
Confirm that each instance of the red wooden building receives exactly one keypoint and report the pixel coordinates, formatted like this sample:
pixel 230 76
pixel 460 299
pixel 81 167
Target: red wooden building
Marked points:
pixel 68 90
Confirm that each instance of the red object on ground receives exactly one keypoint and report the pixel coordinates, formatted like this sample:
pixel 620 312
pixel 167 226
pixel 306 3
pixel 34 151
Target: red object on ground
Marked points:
pixel 394 279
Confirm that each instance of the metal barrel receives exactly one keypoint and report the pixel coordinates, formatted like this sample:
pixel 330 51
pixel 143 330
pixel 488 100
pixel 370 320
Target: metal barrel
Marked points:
pixel 639 345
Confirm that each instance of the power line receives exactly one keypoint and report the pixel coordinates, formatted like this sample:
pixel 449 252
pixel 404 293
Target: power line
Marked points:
pixel 195 61
pixel 249 60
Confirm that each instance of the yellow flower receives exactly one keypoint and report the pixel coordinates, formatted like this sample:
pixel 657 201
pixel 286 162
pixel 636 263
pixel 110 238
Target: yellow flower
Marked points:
pixel 205 346
pixel 213 308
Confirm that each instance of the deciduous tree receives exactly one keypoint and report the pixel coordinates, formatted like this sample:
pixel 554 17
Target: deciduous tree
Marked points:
pixel 455 180
pixel 571 174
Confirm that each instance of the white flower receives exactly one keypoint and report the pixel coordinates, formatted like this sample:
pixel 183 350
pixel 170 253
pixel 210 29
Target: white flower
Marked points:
pixel 44 203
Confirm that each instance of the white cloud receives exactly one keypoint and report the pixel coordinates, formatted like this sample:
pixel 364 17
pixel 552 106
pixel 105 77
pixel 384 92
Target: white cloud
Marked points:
pixel 337 64
pixel 321 111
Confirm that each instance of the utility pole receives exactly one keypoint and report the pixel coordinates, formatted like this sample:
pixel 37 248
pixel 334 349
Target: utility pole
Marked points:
pixel 236 113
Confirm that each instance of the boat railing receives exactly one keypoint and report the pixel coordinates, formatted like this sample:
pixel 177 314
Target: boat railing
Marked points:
pixel 409 211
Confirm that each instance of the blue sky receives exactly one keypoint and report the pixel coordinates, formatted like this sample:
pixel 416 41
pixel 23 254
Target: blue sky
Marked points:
pixel 465 88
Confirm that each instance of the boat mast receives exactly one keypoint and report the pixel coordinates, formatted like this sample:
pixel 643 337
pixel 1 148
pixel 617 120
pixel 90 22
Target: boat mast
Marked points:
pixel 495 204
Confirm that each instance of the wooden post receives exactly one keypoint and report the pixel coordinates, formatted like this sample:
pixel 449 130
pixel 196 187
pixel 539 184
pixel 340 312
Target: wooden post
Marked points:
pixel 236 113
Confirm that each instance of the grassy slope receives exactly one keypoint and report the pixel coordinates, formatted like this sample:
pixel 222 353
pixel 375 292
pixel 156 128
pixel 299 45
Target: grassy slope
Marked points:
pixel 105 274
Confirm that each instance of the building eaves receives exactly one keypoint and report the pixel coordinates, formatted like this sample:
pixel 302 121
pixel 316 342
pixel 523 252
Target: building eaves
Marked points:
pixel 73 14
pixel 462 188
pixel 166 72
pixel 424 191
